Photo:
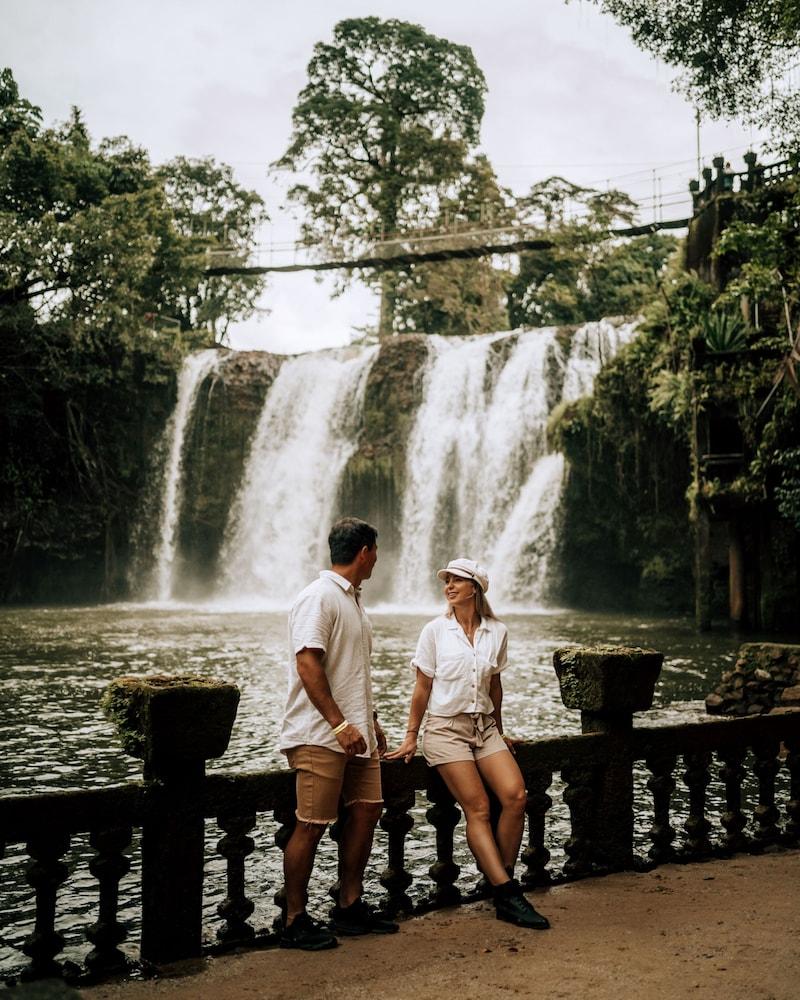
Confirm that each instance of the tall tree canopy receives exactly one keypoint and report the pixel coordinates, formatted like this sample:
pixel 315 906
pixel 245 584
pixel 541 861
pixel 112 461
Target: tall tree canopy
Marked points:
pixel 212 212
pixel 460 296
pixel 587 274
pixel 735 54
pixel 384 123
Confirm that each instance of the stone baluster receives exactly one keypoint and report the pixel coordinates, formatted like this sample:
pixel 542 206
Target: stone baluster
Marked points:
pixel 45 873
pixel 661 784
pixel 109 865
pixel 696 778
pixel 444 815
pixel 608 684
pixel 708 183
pixel 750 158
pixel 733 819
pixel 718 163
pixel 287 820
pixel 581 800
pixel 395 878
pixel 235 846
pixel 765 813
pixel 792 829
pixel 535 855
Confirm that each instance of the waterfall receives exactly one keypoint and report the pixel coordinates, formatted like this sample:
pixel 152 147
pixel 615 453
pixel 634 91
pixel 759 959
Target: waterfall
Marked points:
pixel 277 532
pixel 194 370
pixel 475 476
pixel 480 479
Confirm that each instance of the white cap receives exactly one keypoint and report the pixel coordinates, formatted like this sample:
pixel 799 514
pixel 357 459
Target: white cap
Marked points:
pixel 468 569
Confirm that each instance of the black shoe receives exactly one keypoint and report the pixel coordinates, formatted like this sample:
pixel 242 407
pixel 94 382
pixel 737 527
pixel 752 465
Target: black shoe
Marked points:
pixel 512 906
pixel 361 918
pixel 306 933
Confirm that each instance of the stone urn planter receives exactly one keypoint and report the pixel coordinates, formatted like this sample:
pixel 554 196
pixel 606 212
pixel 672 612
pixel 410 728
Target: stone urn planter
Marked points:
pixel 172 721
pixel 607 681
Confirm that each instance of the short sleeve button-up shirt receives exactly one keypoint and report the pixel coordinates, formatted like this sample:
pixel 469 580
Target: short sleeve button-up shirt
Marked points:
pixel 328 616
pixel 461 671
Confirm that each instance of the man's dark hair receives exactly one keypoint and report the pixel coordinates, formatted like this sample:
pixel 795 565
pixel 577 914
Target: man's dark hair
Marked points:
pixel 348 536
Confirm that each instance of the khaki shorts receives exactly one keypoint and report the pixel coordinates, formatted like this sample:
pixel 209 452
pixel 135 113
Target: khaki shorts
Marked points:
pixel 467 736
pixel 324 776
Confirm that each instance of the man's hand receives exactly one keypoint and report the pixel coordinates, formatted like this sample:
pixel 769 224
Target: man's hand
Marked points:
pixel 351 741
pixel 380 736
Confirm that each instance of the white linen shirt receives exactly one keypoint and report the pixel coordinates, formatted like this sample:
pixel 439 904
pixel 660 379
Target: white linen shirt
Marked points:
pixel 461 672
pixel 328 615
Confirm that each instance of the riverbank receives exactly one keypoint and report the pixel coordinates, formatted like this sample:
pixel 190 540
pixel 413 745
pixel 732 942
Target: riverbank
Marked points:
pixel 725 930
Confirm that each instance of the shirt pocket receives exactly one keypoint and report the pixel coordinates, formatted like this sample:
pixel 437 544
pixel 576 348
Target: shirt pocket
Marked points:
pixel 449 668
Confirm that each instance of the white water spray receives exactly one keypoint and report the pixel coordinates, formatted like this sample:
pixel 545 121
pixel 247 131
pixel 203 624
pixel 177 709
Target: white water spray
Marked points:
pixel 195 369
pixel 306 433
pixel 480 479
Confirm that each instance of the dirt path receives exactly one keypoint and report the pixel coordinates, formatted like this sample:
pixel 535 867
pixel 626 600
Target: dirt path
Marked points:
pixel 726 930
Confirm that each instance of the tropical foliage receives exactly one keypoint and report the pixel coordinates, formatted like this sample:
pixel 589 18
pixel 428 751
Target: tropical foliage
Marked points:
pixel 101 294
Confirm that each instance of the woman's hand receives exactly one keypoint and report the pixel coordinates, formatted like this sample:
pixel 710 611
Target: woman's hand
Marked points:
pixel 511 744
pixel 406 750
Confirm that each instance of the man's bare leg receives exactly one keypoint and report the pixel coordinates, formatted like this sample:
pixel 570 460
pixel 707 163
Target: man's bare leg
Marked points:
pixel 298 862
pixel 355 847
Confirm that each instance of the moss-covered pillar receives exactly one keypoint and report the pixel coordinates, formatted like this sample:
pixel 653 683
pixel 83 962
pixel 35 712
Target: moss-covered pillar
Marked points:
pixel 702 568
pixel 608 684
pixel 174 724
pixel 736 573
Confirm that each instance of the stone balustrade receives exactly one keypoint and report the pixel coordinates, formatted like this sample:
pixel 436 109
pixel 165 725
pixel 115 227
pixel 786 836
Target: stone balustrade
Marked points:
pixel 616 772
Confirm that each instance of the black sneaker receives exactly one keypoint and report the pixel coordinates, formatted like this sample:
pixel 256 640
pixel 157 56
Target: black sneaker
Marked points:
pixel 512 906
pixel 306 933
pixel 361 918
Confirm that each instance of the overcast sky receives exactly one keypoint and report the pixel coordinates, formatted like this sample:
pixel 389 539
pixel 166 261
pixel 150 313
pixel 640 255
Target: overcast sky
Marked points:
pixel 569 93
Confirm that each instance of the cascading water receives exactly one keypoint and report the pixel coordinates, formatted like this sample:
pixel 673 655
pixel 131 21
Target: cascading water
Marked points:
pixel 307 431
pixel 195 369
pixel 480 479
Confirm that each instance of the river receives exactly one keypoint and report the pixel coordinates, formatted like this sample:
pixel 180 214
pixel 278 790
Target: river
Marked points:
pixel 55 664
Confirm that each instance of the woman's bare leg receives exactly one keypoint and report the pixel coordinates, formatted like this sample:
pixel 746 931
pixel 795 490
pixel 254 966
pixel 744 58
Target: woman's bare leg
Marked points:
pixel 466 787
pixel 501 773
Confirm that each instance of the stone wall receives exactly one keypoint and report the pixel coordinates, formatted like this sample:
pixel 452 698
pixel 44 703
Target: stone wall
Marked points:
pixel 766 676
pixel 374 479
pixel 225 417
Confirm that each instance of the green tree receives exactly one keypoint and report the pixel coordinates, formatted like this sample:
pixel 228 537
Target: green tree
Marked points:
pixel 213 214
pixel 587 274
pixel 735 55
pixel 460 296
pixel 91 252
pixel 385 121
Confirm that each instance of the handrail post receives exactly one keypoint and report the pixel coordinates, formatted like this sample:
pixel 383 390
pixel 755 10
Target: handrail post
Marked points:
pixel 175 724
pixel 608 684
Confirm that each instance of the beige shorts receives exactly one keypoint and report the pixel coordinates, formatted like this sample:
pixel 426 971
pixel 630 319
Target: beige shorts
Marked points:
pixel 452 738
pixel 324 776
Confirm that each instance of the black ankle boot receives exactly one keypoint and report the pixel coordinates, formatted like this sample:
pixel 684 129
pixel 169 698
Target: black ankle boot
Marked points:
pixel 511 905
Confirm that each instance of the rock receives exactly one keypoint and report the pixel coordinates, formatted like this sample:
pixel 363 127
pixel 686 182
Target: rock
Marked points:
pixel 791 695
pixel 755 710
pixel 715 704
pixel 762 675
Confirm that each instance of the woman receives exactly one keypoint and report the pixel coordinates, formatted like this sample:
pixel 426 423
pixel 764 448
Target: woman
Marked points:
pixel 458 662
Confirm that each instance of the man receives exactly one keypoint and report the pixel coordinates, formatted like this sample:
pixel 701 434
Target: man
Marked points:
pixel 332 739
